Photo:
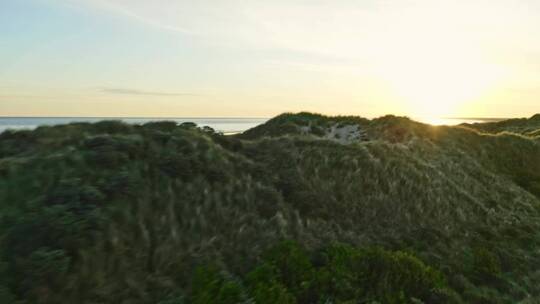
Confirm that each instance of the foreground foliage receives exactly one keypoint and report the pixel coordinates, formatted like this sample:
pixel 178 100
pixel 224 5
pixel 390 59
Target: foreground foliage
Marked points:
pixel 165 213
pixel 336 274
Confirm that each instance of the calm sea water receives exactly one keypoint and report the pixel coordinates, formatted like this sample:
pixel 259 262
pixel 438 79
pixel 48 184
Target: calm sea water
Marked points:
pixel 225 125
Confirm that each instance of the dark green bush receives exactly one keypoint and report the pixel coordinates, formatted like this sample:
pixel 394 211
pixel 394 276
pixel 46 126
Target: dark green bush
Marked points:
pixel 337 274
pixel 210 286
pixel 487 265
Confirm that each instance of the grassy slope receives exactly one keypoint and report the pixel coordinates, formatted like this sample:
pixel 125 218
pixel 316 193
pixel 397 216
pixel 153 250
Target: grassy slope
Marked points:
pixel 445 192
pixel 123 213
pixel 519 125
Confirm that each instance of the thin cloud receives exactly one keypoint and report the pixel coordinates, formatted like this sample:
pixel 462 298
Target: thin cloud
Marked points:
pixel 124 91
pixel 120 9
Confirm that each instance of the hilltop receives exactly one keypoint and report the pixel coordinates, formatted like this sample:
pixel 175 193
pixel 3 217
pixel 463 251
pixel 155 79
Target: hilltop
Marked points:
pixel 305 208
pixel 525 126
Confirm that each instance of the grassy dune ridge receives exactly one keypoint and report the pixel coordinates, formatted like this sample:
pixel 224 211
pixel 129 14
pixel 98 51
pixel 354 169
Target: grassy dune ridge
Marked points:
pixel 303 209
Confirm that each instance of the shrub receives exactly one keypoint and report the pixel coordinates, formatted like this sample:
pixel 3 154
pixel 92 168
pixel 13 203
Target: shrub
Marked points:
pixel 210 286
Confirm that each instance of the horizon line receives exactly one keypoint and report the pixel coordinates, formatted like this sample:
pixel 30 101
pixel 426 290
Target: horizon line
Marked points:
pixel 259 117
pixel 250 117
pixel 140 117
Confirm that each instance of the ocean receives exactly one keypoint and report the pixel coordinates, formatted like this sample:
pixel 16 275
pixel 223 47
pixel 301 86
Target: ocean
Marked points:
pixel 225 125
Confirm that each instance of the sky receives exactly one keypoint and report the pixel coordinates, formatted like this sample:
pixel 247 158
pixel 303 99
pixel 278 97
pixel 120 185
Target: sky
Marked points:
pixel 233 58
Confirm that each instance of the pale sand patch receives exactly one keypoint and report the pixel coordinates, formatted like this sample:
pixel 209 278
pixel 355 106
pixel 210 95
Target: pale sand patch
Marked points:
pixel 342 134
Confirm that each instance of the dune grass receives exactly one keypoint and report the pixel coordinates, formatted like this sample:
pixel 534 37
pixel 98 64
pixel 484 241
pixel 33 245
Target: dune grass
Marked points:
pixel 167 213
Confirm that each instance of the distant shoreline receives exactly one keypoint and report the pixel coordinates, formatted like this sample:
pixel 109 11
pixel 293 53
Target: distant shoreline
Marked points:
pixel 122 117
pixel 219 117
pixel 226 125
pixel 484 119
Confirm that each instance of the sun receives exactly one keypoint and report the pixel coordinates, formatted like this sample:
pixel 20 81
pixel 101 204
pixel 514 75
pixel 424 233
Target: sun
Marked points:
pixel 435 89
pixel 438 82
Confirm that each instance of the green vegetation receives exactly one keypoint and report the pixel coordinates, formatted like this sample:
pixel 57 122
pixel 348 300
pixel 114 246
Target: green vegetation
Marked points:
pixel 336 274
pixel 293 124
pixel 397 212
pixel 519 125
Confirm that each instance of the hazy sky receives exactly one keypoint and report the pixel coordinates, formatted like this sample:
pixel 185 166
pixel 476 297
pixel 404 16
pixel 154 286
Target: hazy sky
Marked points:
pixel 260 58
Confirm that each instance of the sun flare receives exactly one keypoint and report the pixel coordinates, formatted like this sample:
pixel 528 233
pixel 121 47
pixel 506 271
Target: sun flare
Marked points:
pixel 434 75
pixel 438 88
